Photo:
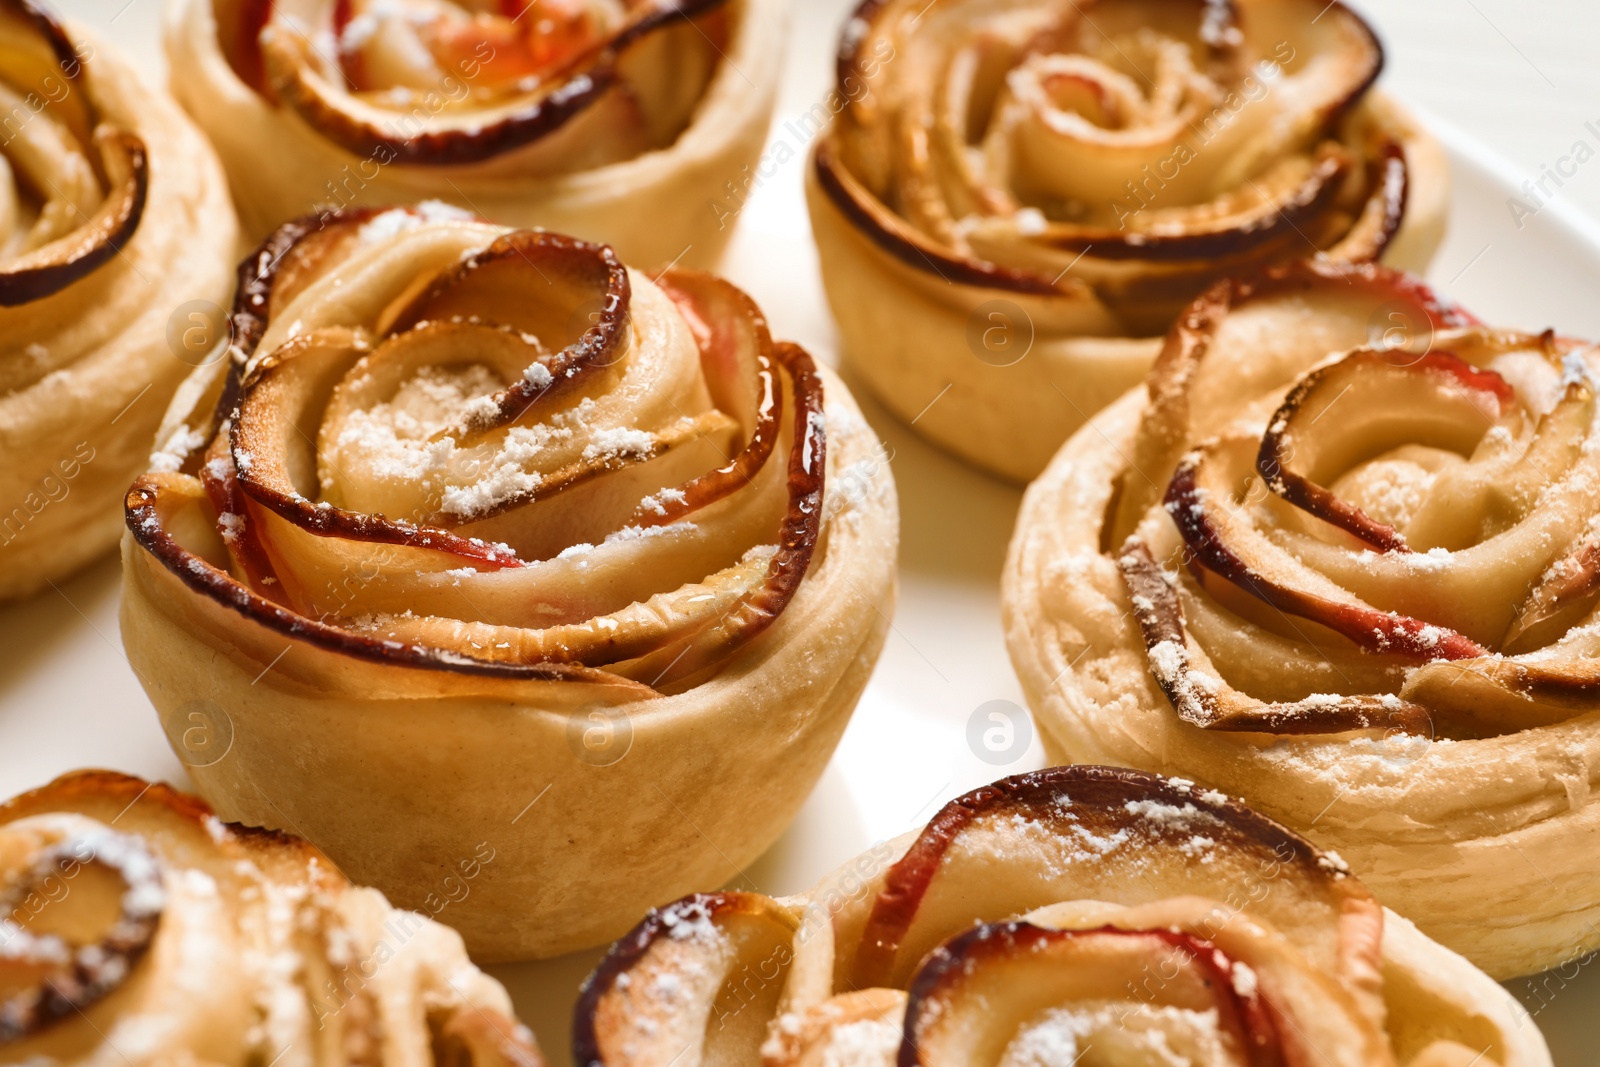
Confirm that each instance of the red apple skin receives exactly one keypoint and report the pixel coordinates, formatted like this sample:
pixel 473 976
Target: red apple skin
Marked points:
pixel 294 251
pixel 1247 1017
pixel 1159 613
pixel 576 87
pixel 1369 628
pixel 1098 796
pixel 1275 467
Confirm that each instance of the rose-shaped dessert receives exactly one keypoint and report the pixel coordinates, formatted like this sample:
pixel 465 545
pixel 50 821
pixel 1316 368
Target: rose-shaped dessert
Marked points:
pixel 618 120
pixel 480 535
pixel 139 929
pixel 1020 196
pixel 1359 588
pixel 114 216
pixel 1040 918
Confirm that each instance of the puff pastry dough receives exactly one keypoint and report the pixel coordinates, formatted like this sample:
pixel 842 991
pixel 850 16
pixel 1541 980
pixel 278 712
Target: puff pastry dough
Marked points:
pixel 114 227
pixel 483 536
pixel 617 120
pixel 1018 197
pixel 139 929
pixel 1040 918
pixel 1359 588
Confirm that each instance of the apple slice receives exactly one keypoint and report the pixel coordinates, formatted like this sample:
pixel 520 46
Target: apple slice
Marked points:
pixel 1221 538
pixel 299 80
pixel 283 412
pixel 163 924
pixel 62 960
pixel 1098 833
pixel 1559 599
pixel 1279 205
pixel 37 52
pixel 54 266
pixel 1200 349
pixel 494 286
pixel 1385 398
pixel 271 443
pixel 1002 986
pixel 1200 695
pixel 702 976
pixel 164 513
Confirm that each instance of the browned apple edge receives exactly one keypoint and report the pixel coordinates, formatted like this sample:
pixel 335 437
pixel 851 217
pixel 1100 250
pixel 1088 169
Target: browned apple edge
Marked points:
pixel 1274 462
pixel 1159 613
pixel 563 95
pixel 1098 793
pixel 948 965
pixel 125 166
pixel 799 536
pixel 902 241
pixel 629 949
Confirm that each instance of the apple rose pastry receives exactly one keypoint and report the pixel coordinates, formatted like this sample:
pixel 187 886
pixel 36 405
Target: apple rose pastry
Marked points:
pixel 619 120
pixel 1072 915
pixel 1017 198
pixel 114 224
pixel 1360 588
pixel 469 515
pixel 139 929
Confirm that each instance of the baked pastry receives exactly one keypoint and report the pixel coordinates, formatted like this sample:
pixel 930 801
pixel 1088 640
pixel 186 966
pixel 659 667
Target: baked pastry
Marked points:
pixel 623 121
pixel 482 536
pixel 1043 916
pixel 1018 197
pixel 141 930
pixel 116 241
pixel 1358 588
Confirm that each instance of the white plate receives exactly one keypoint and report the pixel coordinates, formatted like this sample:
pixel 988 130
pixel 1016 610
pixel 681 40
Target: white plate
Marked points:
pixel 69 700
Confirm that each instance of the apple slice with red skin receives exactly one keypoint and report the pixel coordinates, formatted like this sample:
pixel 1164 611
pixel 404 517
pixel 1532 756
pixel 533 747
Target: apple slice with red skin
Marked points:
pixel 525 38
pixel 975 993
pixel 68 978
pixel 156 829
pixel 1115 835
pixel 63 262
pixel 40 51
pixel 1349 74
pixel 1389 394
pixel 728 953
pixel 159 504
pixel 1562 596
pixel 1210 703
pixel 492 285
pixel 1167 429
pixel 1220 540
pixel 1282 211
pixel 484 285
pixel 365 129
